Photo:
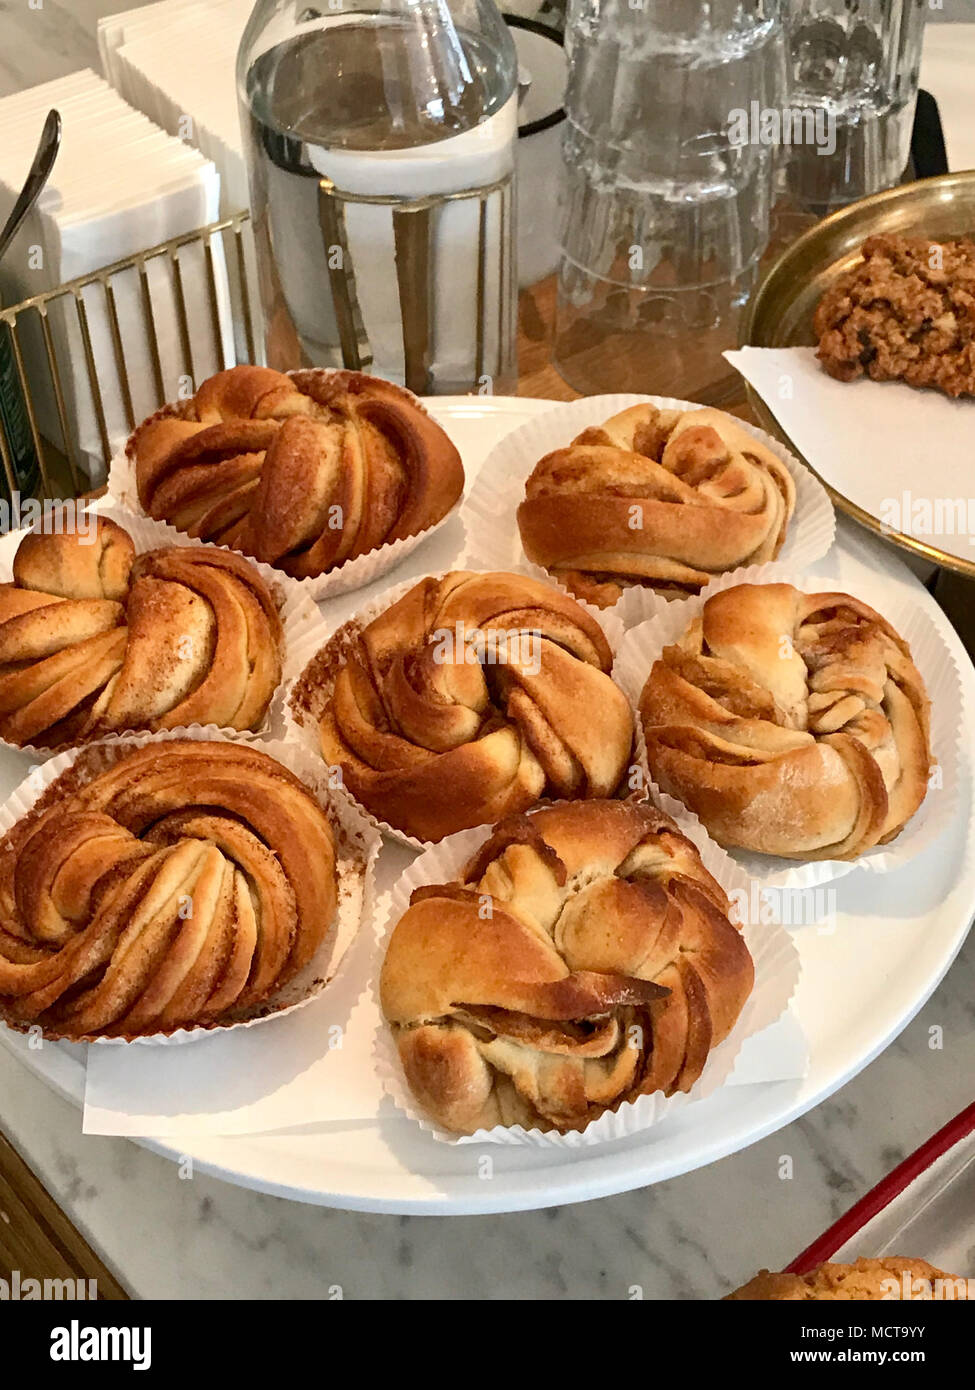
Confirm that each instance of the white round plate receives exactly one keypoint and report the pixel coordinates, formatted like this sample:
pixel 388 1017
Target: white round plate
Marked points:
pixel 895 936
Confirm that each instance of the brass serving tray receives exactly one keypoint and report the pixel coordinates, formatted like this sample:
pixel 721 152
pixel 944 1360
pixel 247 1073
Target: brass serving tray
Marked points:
pixel 780 313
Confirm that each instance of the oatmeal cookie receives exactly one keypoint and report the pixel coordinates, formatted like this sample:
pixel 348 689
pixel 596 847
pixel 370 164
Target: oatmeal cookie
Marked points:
pixel 893 1277
pixel 906 312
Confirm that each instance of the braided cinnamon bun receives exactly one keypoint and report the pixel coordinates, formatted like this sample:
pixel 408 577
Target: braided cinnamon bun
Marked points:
pixel 182 885
pixel 303 471
pixel 585 957
pixel 94 639
pixel 790 723
pixel 469 698
pixel 662 498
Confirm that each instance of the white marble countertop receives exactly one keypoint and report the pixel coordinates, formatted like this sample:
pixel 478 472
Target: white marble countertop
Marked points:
pixel 693 1237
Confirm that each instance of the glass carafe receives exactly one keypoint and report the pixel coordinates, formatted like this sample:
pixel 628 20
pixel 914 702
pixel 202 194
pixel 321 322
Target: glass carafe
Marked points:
pixel 380 142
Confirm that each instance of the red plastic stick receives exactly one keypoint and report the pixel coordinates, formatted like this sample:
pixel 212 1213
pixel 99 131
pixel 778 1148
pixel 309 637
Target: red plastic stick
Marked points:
pixel 884 1193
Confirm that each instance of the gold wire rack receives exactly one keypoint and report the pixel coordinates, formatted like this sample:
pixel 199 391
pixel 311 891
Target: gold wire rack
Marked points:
pixel 77 374
pixel 39 447
pixel 414 221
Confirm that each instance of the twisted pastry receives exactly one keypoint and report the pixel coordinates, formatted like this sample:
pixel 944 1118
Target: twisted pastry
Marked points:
pixel 182 885
pixel 663 498
pixel 93 639
pixel 303 471
pixel 584 958
pixel 469 698
pixel 793 724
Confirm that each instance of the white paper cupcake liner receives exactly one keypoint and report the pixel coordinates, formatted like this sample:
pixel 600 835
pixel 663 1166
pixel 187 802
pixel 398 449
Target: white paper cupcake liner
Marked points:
pixel 777 971
pixel 659 623
pixel 343 579
pixel 491 509
pixel 357 848
pixel 302 624
pixel 303 721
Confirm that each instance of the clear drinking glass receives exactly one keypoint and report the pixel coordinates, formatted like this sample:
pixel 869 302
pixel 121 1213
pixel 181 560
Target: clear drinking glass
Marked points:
pixel 665 211
pixel 857 61
pixel 380 138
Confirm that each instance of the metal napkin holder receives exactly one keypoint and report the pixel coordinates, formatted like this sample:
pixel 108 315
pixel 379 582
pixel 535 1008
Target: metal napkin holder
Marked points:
pixel 414 222
pixel 60 475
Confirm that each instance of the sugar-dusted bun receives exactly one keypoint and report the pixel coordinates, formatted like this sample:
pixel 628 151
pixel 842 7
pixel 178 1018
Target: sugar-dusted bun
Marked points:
pixel 182 885
pixel 303 471
pixel 471 697
pixel 790 723
pixel 891 1278
pixel 663 498
pixel 94 640
pixel 584 957
pixel 93 563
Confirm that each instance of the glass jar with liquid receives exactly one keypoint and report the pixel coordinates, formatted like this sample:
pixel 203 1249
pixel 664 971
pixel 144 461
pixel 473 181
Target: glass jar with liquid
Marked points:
pixel 380 140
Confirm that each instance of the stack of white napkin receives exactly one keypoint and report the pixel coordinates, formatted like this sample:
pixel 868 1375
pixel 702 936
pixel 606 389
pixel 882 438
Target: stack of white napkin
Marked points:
pixel 175 61
pixel 120 185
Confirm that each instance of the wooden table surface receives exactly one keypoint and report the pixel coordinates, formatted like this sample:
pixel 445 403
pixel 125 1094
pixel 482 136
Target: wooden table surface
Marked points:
pixel 723 386
pixel 538 377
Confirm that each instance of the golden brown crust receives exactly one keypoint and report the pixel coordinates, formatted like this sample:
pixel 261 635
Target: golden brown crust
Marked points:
pixel 470 698
pixel 791 724
pixel 57 563
pixel 585 959
pixel 94 640
pixel 303 471
pixel 894 1277
pixel 904 312
pixel 666 499
pixel 182 884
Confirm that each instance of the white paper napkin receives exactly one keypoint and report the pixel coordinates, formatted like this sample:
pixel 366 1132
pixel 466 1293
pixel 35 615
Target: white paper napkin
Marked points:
pixel 175 61
pixel 120 185
pixel 902 454
pixel 314 1066
pixel 307 1067
pixel 310 1067
pixel 780 1053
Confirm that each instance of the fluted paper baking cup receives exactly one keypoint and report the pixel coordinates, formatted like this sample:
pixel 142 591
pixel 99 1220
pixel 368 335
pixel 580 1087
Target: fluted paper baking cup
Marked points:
pixel 659 623
pixel 344 578
pixel 777 971
pixel 491 509
pixel 357 847
pixel 321 663
pixel 301 622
